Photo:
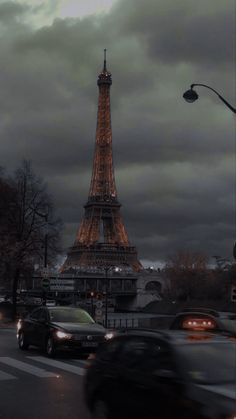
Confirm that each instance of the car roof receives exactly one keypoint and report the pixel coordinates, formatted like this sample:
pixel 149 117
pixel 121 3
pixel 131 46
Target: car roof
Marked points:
pixel 209 311
pixel 177 337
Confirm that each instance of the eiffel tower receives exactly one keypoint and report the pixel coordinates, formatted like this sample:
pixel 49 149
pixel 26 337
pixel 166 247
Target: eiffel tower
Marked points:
pixel 102 240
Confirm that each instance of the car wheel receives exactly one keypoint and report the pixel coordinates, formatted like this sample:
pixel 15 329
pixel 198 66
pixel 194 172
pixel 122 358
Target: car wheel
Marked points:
pixel 22 342
pixel 100 410
pixel 50 347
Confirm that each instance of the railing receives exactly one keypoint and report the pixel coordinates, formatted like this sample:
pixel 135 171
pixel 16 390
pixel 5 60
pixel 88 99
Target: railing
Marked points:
pixel 122 323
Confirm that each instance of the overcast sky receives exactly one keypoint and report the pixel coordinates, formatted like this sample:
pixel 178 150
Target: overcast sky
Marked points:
pixel 174 162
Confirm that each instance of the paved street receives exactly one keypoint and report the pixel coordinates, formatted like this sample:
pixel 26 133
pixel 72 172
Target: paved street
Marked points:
pixel 35 387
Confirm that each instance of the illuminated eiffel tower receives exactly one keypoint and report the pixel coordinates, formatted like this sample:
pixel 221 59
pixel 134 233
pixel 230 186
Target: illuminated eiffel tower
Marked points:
pixel 102 240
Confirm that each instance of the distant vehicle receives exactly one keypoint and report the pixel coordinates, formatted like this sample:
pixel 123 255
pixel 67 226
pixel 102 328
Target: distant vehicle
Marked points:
pixel 33 300
pixel 51 303
pixel 60 328
pixel 163 374
pixel 200 319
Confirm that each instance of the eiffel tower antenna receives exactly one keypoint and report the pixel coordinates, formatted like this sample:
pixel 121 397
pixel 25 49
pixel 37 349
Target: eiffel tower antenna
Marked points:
pixel 105 60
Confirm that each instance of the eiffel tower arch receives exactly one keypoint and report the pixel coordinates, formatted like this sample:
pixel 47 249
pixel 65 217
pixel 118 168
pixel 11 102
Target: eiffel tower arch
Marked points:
pixel 102 240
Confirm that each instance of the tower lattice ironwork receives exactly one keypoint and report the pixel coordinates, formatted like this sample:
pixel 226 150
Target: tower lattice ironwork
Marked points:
pixel 102 239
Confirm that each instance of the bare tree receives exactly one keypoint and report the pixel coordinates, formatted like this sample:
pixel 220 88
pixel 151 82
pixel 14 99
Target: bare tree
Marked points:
pixel 186 274
pixel 7 235
pixel 189 277
pixel 30 219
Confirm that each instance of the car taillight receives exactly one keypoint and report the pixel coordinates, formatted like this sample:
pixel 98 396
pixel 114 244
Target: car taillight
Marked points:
pixel 198 337
pixel 198 323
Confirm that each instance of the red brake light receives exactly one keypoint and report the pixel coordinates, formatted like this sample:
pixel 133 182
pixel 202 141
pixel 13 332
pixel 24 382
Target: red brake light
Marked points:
pixel 198 337
pixel 198 323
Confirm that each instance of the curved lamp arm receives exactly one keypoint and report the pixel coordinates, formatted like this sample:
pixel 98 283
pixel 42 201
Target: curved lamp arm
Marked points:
pixel 191 95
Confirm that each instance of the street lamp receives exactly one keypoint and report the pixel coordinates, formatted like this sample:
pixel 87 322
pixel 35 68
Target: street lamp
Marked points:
pixel 191 95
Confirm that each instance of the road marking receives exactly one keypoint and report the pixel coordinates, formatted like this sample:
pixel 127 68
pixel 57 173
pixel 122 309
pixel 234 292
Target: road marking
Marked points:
pixel 58 364
pixel 39 372
pixel 5 376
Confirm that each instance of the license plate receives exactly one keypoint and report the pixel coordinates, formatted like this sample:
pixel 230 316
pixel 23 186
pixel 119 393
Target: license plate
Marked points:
pixel 89 344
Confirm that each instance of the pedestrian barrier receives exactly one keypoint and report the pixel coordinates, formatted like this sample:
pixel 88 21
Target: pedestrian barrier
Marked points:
pixel 122 323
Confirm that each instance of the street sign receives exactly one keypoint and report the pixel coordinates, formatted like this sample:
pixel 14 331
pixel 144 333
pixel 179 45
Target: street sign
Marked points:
pixel 98 312
pixel 99 304
pixel 46 283
pixel 45 272
pixel 98 315
pixel 233 293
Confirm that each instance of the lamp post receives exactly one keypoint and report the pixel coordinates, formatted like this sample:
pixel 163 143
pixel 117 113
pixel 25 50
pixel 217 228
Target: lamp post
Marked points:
pixel 45 216
pixel 106 296
pixel 92 308
pixel 106 269
pixel 46 243
pixel 191 95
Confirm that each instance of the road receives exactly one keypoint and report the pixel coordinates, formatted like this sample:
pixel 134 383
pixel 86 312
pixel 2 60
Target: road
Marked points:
pixel 33 386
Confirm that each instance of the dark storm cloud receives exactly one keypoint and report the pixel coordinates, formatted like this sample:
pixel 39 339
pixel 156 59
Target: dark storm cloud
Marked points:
pixel 179 158
pixel 189 31
pixel 11 11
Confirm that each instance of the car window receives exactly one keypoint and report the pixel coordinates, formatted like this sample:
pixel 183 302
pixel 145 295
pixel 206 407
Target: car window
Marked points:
pixel 72 315
pixel 43 315
pixel 35 314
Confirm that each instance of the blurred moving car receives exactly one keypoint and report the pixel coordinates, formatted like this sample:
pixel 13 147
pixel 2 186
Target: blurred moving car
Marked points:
pixel 60 328
pixel 200 319
pixel 163 374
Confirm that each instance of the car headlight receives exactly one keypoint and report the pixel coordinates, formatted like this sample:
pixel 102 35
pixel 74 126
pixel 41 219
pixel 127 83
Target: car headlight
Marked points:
pixel 109 335
pixel 63 335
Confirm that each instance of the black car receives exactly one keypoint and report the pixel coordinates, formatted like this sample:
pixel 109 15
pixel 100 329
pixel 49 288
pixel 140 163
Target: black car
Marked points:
pixel 54 328
pixel 200 319
pixel 163 374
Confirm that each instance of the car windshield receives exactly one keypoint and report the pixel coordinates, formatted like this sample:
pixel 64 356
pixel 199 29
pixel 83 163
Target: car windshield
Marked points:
pixel 213 363
pixel 71 315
